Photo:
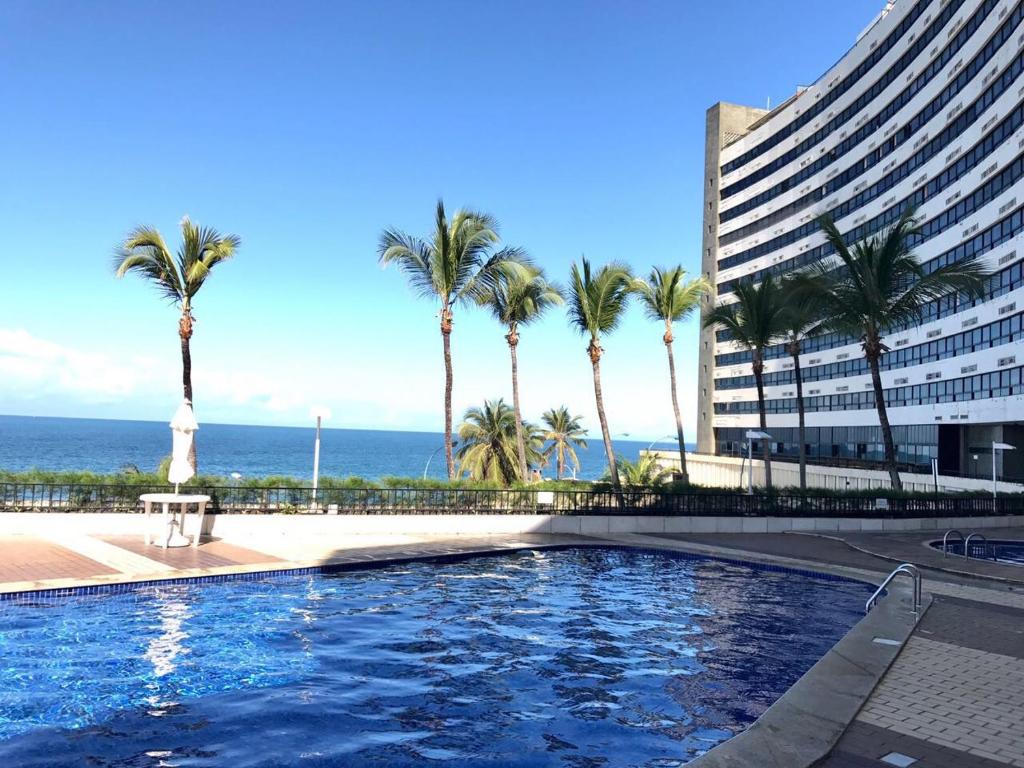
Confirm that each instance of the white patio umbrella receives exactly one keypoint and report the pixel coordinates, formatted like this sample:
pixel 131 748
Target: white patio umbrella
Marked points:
pixel 183 427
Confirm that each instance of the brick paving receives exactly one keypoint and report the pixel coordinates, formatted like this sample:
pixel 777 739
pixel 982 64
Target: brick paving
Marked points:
pixel 960 698
pixel 862 745
pixel 209 554
pixel 27 558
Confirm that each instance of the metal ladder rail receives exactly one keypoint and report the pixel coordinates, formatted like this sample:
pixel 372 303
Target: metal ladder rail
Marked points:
pixel 907 569
pixel 945 540
pixel 987 546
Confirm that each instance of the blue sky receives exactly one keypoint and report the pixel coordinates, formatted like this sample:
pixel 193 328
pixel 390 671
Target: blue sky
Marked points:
pixel 307 127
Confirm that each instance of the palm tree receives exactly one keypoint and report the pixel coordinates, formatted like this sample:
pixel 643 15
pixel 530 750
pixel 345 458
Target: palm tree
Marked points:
pixel 177 278
pixel 455 265
pixel 488 440
pixel 881 285
pixel 644 472
pixel 596 304
pixel 519 297
pixel 667 296
pixel 801 318
pixel 565 433
pixel 755 322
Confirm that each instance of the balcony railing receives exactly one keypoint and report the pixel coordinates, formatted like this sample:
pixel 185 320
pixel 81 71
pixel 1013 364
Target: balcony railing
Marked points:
pixel 58 498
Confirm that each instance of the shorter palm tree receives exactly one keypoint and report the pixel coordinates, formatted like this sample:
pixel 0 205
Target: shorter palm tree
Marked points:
pixel 881 285
pixel 596 305
pixel 487 444
pixel 519 296
pixel 644 472
pixel 755 322
pixel 564 434
pixel 668 297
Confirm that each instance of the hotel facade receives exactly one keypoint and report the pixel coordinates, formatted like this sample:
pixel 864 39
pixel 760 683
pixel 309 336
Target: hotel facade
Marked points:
pixel 925 110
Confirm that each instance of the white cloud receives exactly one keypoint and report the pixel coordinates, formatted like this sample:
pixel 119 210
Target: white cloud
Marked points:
pixel 39 366
pixel 47 377
pixel 43 377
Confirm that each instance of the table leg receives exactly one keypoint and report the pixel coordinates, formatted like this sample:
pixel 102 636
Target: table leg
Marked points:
pixel 149 508
pixel 166 524
pixel 199 528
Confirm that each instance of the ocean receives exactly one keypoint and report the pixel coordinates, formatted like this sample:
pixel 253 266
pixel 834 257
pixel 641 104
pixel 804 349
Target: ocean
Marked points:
pixel 103 445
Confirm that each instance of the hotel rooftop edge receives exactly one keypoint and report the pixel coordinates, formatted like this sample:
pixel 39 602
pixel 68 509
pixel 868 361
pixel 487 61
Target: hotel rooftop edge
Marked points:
pixel 926 109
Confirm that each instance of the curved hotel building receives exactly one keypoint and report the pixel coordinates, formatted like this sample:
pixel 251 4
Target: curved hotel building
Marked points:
pixel 925 110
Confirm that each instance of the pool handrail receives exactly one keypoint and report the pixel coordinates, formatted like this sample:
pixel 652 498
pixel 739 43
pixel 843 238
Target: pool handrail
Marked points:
pixel 945 539
pixel 968 540
pixel 907 569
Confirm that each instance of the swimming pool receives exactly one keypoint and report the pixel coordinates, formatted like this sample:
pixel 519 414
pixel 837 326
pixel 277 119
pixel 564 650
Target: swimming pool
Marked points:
pixel 575 657
pixel 1010 552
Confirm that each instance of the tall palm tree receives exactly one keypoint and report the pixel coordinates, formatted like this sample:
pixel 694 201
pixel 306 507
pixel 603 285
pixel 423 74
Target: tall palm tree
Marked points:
pixel 487 443
pixel 519 297
pixel 178 277
pixel 801 318
pixel 667 296
pixel 881 285
pixel 456 264
pixel 565 434
pixel 755 322
pixel 596 305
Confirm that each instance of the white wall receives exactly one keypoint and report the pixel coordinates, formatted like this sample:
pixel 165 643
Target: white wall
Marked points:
pixel 251 530
pixel 725 472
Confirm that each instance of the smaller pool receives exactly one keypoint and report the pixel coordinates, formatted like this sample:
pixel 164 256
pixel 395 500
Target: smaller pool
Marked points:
pixel 1002 551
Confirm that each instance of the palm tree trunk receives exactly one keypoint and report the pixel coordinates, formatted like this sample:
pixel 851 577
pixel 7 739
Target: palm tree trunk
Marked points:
pixel 795 351
pixel 560 461
pixel 675 404
pixel 446 334
pixel 613 469
pixel 766 452
pixel 513 342
pixel 185 334
pixel 871 352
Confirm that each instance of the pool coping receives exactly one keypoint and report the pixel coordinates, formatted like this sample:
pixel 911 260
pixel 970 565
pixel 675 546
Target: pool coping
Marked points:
pixel 916 550
pixel 797 730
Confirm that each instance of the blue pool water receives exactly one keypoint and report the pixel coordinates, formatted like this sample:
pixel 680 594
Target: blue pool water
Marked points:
pixel 1010 552
pixel 578 657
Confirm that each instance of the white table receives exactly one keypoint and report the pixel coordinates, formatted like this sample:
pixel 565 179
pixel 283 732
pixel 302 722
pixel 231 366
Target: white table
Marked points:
pixel 170 519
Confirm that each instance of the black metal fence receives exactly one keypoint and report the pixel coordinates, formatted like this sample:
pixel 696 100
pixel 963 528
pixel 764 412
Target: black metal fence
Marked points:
pixel 47 497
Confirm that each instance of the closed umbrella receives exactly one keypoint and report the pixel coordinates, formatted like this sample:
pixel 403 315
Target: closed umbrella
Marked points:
pixel 183 427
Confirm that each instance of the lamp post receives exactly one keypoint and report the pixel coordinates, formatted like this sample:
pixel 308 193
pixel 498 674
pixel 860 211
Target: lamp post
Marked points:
pixel 319 413
pixel 433 454
pixel 752 435
pixel 658 440
pixel 998 447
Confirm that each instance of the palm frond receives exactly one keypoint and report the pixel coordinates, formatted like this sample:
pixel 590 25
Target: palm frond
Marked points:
pixel 414 258
pixel 145 252
pixel 668 296
pixel 597 301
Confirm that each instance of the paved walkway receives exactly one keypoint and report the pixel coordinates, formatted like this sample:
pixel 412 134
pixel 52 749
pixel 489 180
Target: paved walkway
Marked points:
pixel 912 547
pixel 28 558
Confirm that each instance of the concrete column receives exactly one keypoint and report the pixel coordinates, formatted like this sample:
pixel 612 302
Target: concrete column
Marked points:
pixel 724 124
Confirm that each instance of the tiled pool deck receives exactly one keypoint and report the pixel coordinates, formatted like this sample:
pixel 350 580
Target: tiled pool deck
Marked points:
pixel 953 698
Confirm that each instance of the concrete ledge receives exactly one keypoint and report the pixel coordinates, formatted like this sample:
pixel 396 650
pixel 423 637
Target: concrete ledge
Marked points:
pixel 256 528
